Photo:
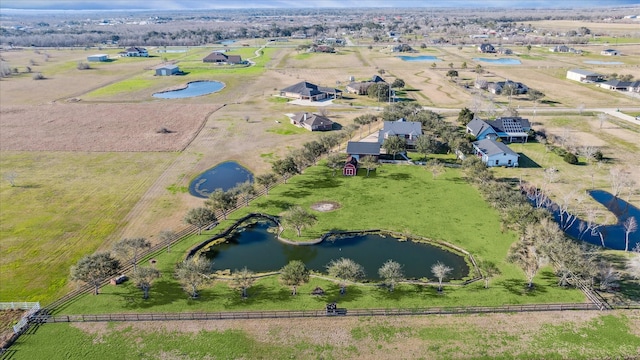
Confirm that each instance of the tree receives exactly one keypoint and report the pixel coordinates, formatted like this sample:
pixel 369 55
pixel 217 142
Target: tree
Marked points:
pixel 391 273
pixel 436 167
pixel 315 149
pixel 298 218
pixel 95 269
pixel 200 217
pixel 441 271
pixel 465 116
pixel 166 236
pixel 488 269
pixel 143 278
pixel 452 73
pixel 11 176
pixel 528 47
pixel 346 270
pixel 285 167
pixel 369 162
pixel 394 145
pixel 526 255
pixel 451 66
pixel 243 280
pixel 602 117
pixel 397 83
pixel 425 145
pixel 294 274
pixel 267 181
pixel 464 65
pixel 246 191
pixel 630 225
pixel 224 201
pixel 366 119
pixel 193 273
pixel 379 91
pixel 535 96
pixel 129 249
pixel 334 162
pixel 350 130
pixel 479 69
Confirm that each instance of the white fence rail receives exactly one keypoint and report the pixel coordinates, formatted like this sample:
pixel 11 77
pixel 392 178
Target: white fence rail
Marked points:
pixel 31 307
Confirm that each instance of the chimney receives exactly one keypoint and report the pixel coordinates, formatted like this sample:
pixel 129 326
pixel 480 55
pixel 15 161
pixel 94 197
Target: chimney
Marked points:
pixel 304 117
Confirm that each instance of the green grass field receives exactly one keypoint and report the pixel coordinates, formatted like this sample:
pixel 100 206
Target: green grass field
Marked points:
pixel 63 205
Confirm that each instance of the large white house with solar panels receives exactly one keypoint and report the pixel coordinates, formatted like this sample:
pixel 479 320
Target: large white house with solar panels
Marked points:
pixel 509 129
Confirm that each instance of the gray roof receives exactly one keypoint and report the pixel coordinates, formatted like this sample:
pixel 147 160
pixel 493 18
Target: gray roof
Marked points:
pixel 492 147
pixel 311 119
pixel 168 66
pixel 363 148
pixel 584 72
pixel 477 126
pixel 509 124
pixel 309 89
pixel 402 127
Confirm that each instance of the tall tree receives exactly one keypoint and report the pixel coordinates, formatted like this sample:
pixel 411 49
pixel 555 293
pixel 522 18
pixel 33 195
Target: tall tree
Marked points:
pixel 166 237
pixel 95 269
pixel 242 280
pixel 398 83
pixel 129 249
pixel 200 217
pixel 144 277
pixel 294 274
pixel 630 225
pixel 298 218
pixel 391 273
pixel 334 162
pixel 489 269
pixel 369 162
pixel 346 270
pixel 465 116
pixel 223 201
pixel 425 145
pixel 441 271
pixel 267 181
pixel 193 273
pixel 394 145
pixel 379 91
pixel 285 167
pixel 366 119
pixel 246 191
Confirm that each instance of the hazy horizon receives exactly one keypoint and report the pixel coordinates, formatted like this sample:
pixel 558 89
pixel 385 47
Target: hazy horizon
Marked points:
pixel 104 5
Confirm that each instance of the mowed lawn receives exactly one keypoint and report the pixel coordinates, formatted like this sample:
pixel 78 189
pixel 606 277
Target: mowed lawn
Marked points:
pixel 63 206
pixel 395 197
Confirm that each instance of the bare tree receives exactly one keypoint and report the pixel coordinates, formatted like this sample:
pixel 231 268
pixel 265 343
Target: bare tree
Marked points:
pixel 391 272
pixel 243 280
pixel 166 236
pixel 526 255
pixel 11 177
pixel 580 108
pixel 193 273
pixel 602 117
pixel 440 271
pixel 129 249
pixel 630 225
pixel 489 269
pixel 608 275
pixel 200 217
pixel 346 270
pixel 143 278
pixel 436 167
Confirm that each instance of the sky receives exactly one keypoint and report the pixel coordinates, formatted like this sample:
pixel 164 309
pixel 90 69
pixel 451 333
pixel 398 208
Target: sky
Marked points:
pixel 288 4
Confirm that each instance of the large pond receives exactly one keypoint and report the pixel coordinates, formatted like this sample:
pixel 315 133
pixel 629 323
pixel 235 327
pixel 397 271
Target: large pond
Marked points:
pixel 195 88
pixel 420 58
pixel 611 236
pixel 223 176
pixel 260 251
pixel 502 61
pixel 597 62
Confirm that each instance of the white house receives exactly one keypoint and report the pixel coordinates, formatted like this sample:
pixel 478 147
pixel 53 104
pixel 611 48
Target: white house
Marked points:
pixel 494 153
pixel 583 75
pixel 609 52
pixel 134 52
pixel 98 57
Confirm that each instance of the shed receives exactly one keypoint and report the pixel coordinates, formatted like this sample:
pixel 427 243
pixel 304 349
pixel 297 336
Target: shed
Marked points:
pixel 98 57
pixel 166 70
pixel 350 167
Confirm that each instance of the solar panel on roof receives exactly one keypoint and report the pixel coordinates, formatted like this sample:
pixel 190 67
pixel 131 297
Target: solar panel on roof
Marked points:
pixel 512 125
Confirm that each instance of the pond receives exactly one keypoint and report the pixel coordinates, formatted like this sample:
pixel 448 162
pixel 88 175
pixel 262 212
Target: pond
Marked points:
pixel 420 58
pixel 502 61
pixel 597 62
pixel 227 42
pixel 195 88
pixel 610 236
pixel 260 251
pixel 223 176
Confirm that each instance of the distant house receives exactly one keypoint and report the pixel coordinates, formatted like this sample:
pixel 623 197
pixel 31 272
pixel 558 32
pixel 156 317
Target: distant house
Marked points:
pixel 498 87
pixel 494 153
pixel 609 52
pixel 504 51
pixel 560 49
pixel 408 130
pixel 312 122
pixel 135 52
pixel 361 87
pixel 167 70
pixel 583 75
pixel 508 129
pixel 98 57
pixel 631 86
pixel 222 58
pixel 307 91
pixel 360 149
pixel 486 48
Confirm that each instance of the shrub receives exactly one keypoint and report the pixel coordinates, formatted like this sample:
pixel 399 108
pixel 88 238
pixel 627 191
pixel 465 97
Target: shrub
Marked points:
pixel 598 155
pixel 38 76
pixel 83 66
pixel 570 158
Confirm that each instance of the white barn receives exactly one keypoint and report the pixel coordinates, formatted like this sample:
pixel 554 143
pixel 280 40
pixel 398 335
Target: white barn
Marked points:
pixel 583 75
pixel 494 153
pixel 98 57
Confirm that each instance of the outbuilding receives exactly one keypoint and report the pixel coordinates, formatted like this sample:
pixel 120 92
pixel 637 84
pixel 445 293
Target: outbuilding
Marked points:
pixel 167 70
pixel 495 153
pixel 98 57
pixel 583 75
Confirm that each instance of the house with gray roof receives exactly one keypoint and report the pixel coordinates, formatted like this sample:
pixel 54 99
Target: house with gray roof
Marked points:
pixel 408 130
pixel 508 129
pixel 486 48
pixel 360 149
pixel 631 86
pixel 167 70
pixel 134 52
pixel 495 153
pixel 307 91
pixel 361 87
pixel 312 122
pixel 222 58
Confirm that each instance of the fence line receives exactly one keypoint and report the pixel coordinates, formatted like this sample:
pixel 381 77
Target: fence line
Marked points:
pixel 31 307
pixel 18 305
pixel 278 314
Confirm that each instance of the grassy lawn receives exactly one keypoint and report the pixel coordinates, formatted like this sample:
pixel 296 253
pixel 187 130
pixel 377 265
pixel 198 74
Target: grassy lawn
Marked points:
pixel 500 336
pixel 63 205
pixel 446 208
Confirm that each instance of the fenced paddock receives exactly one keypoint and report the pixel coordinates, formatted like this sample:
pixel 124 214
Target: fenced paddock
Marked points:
pixel 31 307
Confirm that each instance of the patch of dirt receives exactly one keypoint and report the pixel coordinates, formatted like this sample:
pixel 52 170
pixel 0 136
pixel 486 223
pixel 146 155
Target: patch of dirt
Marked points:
pixel 324 206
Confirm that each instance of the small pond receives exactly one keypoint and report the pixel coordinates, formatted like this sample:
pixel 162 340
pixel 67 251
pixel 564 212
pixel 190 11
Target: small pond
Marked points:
pixel 502 61
pixel 260 251
pixel 223 176
pixel 195 88
pixel 227 42
pixel 597 62
pixel 613 236
pixel 420 58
